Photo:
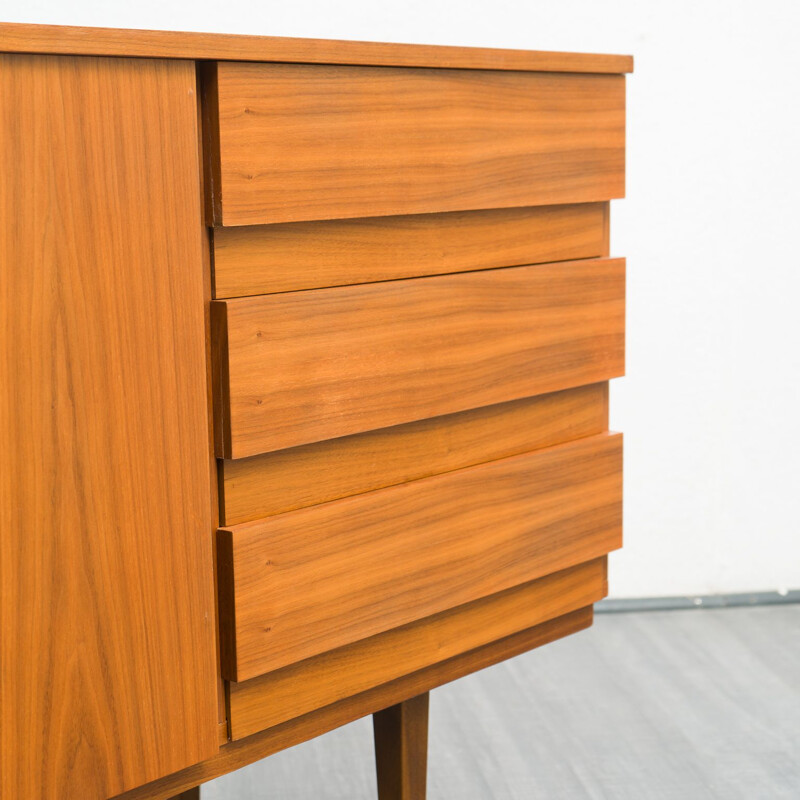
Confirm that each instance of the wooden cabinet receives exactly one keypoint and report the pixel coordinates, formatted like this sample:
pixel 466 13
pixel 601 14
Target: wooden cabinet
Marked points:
pixel 304 363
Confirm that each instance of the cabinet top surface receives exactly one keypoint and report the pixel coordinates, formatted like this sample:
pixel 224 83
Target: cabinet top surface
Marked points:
pixel 57 39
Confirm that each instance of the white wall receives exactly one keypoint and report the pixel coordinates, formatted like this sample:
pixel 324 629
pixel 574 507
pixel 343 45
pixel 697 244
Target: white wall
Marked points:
pixel 711 229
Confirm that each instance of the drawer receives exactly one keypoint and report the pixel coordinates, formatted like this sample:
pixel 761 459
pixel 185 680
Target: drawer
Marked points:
pixel 292 142
pixel 299 584
pixel 432 645
pixel 302 367
pixel 259 259
pixel 271 483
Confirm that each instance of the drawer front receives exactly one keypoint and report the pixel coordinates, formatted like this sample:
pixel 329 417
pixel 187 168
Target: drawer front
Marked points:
pixel 295 142
pixel 301 583
pixel 302 367
pixel 317 682
pixel 271 483
pixel 260 259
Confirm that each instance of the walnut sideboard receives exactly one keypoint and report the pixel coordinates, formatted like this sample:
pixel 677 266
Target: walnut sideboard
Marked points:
pixel 304 363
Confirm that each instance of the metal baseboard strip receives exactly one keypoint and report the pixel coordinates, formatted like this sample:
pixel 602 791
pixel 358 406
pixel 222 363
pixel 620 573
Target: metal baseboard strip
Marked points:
pixel 625 604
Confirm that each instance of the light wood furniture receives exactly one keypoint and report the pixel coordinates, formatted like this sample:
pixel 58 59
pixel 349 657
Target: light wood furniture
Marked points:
pixel 304 363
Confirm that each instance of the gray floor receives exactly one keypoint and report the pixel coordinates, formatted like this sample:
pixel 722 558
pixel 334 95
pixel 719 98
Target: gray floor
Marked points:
pixel 673 704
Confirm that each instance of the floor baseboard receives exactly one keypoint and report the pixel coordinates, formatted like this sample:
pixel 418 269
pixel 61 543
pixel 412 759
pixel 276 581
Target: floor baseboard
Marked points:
pixel 623 604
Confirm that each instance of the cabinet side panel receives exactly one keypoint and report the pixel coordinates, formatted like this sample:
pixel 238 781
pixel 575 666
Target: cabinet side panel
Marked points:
pixel 107 667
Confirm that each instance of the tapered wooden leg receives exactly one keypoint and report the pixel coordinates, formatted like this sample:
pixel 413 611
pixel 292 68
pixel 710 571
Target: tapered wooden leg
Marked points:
pixel 401 749
pixel 189 794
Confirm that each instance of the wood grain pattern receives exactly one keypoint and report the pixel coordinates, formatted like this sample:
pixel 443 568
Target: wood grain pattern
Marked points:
pixel 302 367
pixel 246 751
pixel 260 486
pixel 107 663
pixel 261 259
pixel 25 38
pixel 300 142
pixel 401 749
pixel 274 698
pixel 301 583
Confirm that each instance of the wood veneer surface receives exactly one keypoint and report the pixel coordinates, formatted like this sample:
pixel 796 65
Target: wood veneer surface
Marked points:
pixel 252 748
pixel 263 485
pixel 302 367
pixel 107 665
pixel 307 581
pixel 276 697
pixel 261 259
pixel 303 142
pixel 61 39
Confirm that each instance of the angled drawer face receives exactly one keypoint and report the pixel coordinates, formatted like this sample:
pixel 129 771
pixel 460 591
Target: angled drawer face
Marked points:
pixel 317 682
pixel 272 483
pixel 260 259
pixel 302 367
pixel 302 142
pixel 397 691
pixel 301 583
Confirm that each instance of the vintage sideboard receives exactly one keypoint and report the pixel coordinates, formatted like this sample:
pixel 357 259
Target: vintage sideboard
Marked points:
pixel 304 361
